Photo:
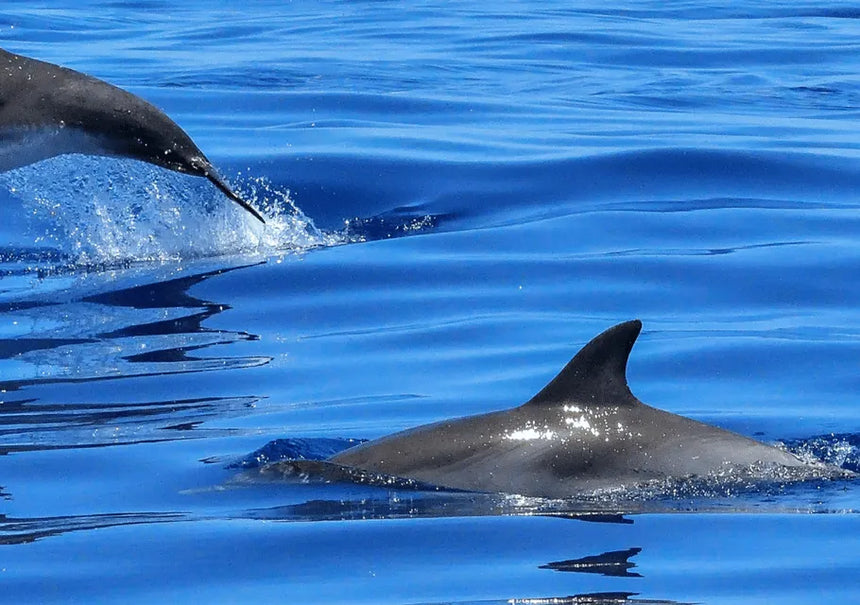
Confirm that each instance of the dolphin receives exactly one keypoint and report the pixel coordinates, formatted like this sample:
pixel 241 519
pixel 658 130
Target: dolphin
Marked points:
pixel 583 433
pixel 47 110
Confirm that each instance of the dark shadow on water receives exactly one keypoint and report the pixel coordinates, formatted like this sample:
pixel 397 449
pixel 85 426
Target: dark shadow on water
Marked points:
pixel 422 505
pixel 182 325
pixel 180 355
pixel 614 563
pixel 591 598
pixel 24 531
pixel 171 293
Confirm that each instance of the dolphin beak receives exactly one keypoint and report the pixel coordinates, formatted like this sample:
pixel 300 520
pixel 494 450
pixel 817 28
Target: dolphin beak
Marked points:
pixel 225 188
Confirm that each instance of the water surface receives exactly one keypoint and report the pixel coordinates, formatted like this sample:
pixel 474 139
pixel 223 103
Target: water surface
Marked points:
pixel 460 196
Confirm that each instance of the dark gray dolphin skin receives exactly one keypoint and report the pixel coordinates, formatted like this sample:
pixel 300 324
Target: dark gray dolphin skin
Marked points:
pixel 47 110
pixel 584 432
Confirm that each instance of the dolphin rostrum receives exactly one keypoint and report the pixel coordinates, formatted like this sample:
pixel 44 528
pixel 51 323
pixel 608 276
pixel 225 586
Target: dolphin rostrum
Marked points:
pixel 47 110
pixel 584 432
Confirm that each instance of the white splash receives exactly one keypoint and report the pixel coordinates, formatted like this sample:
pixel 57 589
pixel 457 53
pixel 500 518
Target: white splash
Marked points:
pixel 105 211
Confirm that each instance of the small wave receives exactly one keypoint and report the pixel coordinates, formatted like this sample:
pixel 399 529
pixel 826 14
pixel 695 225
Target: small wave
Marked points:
pixel 386 227
pixel 294 449
pixel 97 213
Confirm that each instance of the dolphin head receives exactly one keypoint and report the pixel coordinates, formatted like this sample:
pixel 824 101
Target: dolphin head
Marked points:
pixel 129 126
pixel 39 96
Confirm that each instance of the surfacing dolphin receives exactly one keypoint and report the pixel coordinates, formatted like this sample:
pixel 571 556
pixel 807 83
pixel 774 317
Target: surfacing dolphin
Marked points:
pixel 47 110
pixel 583 433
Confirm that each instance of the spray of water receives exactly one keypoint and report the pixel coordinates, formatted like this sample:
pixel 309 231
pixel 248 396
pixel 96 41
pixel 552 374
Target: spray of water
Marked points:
pixel 103 212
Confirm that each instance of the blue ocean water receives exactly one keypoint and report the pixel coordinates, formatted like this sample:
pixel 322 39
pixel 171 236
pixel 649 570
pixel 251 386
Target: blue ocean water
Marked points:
pixel 459 197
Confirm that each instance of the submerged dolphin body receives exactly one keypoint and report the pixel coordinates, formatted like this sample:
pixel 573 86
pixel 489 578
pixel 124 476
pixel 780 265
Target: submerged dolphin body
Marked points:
pixel 584 432
pixel 47 110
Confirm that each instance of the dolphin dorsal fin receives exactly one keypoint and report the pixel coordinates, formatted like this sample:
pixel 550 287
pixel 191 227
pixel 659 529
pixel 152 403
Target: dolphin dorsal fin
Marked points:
pixel 597 375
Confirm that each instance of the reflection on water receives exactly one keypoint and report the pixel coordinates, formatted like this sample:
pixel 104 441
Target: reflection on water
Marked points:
pixel 406 505
pixel 143 330
pixel 613 563
pixel 23 531
pixel 154 329
pixel 19 530
pixel 28 425
pixel 595 598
